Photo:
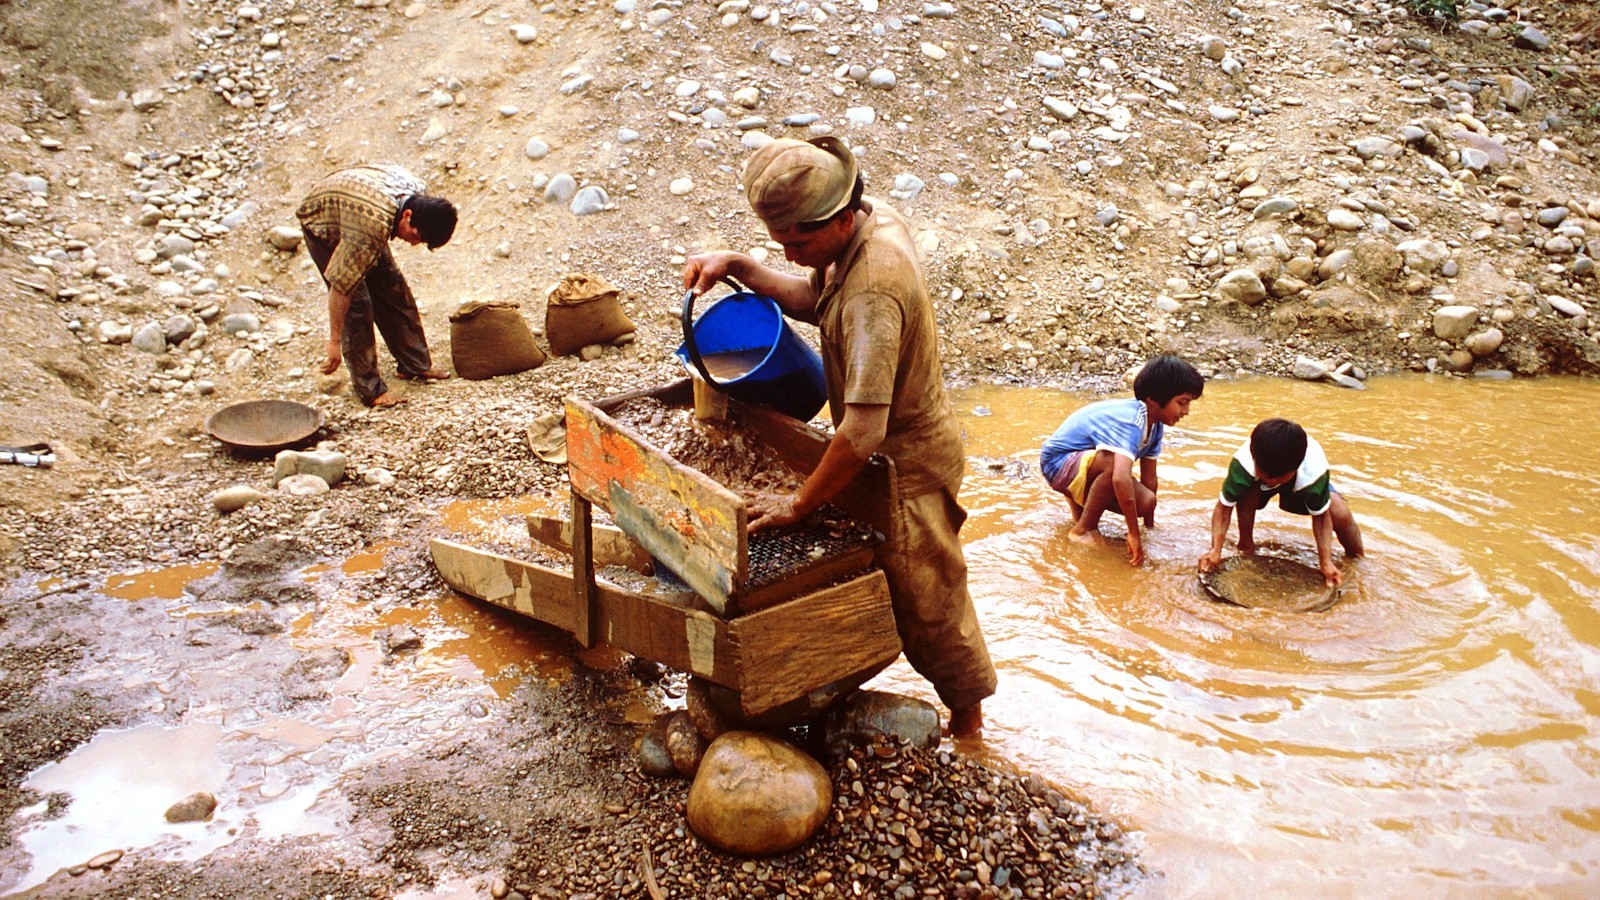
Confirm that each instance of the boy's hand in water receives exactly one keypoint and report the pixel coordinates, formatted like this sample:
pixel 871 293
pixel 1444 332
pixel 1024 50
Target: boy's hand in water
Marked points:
pixel 1331 576
pixel 1210 560
pixel 1135 549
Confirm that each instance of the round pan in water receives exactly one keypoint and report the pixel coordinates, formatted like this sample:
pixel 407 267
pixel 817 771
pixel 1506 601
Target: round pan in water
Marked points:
pixel 1268 582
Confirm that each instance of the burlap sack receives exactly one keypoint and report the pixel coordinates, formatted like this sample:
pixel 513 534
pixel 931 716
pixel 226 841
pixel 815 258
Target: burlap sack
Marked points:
pixel 489 338
pixel 583 309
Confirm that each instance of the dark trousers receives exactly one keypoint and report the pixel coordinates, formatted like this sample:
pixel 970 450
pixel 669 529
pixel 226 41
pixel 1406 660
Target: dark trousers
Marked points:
pixel 384 299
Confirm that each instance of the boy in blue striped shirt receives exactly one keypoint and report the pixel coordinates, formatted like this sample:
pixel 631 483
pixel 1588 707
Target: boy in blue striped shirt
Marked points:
pixel 1090 458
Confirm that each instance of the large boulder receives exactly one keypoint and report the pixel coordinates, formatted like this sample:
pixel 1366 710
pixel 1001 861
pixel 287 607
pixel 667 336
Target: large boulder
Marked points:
pixel 757 796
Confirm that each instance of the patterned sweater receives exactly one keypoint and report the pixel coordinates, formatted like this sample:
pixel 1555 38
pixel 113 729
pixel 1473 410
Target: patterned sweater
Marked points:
pixel 354 211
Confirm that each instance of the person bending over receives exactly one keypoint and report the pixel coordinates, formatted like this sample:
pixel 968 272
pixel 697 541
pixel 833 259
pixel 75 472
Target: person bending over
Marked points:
pixel 880 354
pixel 1281 460
pixel 1091 457
pixel 348 220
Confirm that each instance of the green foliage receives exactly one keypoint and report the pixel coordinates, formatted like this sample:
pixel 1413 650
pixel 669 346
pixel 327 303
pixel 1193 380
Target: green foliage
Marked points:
pixel 1449 10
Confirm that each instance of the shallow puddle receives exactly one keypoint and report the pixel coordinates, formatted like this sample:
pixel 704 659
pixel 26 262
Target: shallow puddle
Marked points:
pixel 367 561
pixel 499 521
pixel 157 584
pixel 278 775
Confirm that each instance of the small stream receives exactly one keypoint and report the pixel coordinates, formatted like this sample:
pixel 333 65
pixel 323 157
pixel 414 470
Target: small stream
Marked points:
pixel 1435 733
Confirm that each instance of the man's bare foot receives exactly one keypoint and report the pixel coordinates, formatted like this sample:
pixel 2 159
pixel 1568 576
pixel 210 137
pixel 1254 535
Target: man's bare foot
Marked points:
pixel 433 374
pixel 967 721
pixel 387 398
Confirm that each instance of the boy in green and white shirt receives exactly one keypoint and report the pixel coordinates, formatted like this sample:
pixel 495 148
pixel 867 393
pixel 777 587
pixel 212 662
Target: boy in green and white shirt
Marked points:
pixel 1281 460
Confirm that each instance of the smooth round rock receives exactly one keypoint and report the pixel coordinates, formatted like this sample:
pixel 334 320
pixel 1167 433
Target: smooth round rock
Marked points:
pixel 1242 285
pixel 233 499
pixel 654 760
pixel 284 238
pixel 304 485
pixel 104 860
pixel 197 807
pixel 757 796
pixel 561 188
pixel 868 716
pixel 1485 342
pixel 708 719
pixel 589 200
pixel 684 744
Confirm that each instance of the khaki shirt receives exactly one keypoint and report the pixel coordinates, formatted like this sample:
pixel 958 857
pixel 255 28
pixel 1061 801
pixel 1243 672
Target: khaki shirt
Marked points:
pixel 354 211
pixel 880 346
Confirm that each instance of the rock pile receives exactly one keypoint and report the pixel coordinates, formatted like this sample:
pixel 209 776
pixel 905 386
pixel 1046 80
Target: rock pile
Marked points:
pixel 905 823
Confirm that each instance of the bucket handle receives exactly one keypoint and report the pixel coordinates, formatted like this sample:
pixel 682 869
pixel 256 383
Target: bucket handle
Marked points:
pixel 688 332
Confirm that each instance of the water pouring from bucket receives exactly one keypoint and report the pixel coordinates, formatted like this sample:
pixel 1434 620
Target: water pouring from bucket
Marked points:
pixel 742 346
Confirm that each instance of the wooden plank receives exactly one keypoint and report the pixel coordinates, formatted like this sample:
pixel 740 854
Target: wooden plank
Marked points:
pixel 785 650
pixel 673 393
pixel 583 587
pixel 611 546
pixel 687 521
pixel 689 640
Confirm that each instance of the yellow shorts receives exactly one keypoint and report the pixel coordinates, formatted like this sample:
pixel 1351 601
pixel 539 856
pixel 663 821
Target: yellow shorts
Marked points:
pixel 1074 478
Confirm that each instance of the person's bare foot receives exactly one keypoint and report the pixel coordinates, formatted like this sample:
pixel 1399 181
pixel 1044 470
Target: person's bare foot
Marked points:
pixel 1083 537
pixel 386 399
pixel 967 721
pixel 433 374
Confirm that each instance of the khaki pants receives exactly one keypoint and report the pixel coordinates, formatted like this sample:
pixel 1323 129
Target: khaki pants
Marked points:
pixel 933 612
pixel 383 299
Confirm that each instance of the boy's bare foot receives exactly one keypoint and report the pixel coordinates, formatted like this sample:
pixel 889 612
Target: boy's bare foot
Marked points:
pixel 433 374
pixel 966 721
pixel 1083 537
pixel 387 398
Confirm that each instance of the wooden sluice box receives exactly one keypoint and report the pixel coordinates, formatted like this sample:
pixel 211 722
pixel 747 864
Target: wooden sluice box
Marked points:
pixel 776 618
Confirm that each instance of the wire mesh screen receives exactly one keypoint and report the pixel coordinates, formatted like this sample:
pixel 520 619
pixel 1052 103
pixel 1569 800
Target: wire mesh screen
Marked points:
pixel 783 553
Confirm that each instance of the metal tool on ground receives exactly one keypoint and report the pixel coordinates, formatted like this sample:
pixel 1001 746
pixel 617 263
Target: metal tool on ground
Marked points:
pixel 33 456
pixel 1258 581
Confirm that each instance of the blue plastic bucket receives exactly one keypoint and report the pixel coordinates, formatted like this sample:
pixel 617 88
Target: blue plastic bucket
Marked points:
pixel 757 357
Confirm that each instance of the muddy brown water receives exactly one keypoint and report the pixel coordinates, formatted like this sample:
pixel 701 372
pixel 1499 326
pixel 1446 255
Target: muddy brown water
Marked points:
pixel 734 364
pixel 1432 734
